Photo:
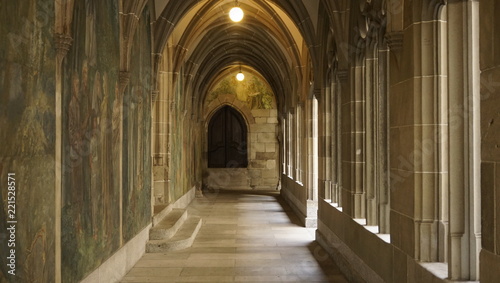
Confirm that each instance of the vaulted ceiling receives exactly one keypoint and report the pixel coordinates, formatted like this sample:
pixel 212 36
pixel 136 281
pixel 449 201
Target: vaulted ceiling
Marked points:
pixel 275 39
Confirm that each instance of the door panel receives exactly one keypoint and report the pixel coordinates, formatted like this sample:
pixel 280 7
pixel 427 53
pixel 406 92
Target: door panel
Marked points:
pixel 227 140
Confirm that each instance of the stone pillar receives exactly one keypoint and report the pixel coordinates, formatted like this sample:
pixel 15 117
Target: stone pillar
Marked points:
pixel 370 142
pixel 160 113
pixel 291 142
pixel 382 156
pixel 414 134
pixel 333 133
pixel 464 138
pixel 425 150
pixel 340 147
pixel 325 144
pixel 123 81
pixel 62 43
pixel 443 185
pixel 312 147
pixel 301 139
pixel 401 140
pixel 357 137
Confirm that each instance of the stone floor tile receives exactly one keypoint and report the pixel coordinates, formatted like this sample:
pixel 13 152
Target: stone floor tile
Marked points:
pixel 245 237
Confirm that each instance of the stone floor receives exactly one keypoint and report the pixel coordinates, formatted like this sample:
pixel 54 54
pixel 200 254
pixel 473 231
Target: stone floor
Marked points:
pixel 245 237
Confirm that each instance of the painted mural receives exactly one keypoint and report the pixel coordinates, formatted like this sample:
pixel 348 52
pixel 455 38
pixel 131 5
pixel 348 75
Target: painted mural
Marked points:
pixel 90 209
pixel 253 90
pixel 137 135
pixel 183 132
pixel 27 121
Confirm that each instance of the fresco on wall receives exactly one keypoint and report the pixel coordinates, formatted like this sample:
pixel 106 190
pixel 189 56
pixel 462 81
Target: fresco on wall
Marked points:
pixel 184 159
pixel 27 122
pixel 90 209
pixel 253 90
pixel 137 133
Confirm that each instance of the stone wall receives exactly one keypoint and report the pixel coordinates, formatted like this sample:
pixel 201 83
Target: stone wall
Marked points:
pixel 261 116
pixel 263 156
pixel 490 134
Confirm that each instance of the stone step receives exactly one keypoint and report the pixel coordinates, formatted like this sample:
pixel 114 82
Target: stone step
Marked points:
pixel 160 212
pixel 184 237
pixel 167 227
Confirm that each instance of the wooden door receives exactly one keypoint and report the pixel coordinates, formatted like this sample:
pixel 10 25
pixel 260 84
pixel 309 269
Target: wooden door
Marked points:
pixel 227 140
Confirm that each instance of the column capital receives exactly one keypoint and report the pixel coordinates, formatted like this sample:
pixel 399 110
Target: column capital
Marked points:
pixel 63 43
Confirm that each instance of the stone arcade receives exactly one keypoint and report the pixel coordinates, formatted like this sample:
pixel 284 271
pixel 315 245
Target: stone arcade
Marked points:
pixel 376 122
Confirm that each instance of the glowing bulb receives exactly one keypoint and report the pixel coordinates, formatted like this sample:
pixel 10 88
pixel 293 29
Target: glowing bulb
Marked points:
pixel 236 14
pixel 240 76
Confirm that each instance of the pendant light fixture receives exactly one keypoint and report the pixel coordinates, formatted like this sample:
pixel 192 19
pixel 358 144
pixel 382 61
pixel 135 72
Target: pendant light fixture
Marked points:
pixel 236 13
pixel 240 76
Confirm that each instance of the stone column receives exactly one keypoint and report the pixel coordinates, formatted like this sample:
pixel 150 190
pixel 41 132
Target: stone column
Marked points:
pixel 425 150
pixel 357 137
pixel 442 102
pixel 370 142
pixel 160 114
pixel 62 43
pixel 382 156
pixel 325 144
pixel 123 81
pixel 301 139
pixel 464 138
pixel 340 92
pixel 312 147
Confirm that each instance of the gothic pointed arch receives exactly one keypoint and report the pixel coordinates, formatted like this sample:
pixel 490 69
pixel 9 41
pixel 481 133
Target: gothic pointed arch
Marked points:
pixel 227 139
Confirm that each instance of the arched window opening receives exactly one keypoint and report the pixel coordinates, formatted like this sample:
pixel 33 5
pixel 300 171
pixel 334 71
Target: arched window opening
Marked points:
pixel 227 140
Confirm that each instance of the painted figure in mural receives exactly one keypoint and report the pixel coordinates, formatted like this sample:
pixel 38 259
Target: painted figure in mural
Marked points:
pixel 140 138
pixel 75 136
pixel 253 91
pixel 96 152
pixel 105 162
pixel 116 118
pixel 90 33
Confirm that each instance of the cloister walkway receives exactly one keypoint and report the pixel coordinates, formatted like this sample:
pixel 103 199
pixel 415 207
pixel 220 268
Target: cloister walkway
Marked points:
pixel 246 236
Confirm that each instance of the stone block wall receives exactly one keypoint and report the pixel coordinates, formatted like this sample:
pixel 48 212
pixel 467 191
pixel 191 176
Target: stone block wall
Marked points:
pixel 490 139
pixel 263 151
pixel 262 146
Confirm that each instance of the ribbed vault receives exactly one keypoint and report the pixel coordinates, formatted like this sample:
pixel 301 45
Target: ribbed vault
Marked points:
pixel 274 40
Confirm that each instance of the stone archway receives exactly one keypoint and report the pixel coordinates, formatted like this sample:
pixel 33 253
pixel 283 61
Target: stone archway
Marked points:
pixel 227 139
pixel 262 146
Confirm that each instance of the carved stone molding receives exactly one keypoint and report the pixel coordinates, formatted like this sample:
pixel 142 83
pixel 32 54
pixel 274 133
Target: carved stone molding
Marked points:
pixel 124 80
pixel 395 40
pixel 63 44
pixel 342 75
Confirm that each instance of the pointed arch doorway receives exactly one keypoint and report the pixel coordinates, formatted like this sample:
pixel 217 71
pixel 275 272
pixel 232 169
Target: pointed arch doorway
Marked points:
pixel 227 139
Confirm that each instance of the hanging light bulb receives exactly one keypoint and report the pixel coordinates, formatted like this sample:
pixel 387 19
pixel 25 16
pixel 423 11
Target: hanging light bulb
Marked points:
pixel 240 76
pixel 236 13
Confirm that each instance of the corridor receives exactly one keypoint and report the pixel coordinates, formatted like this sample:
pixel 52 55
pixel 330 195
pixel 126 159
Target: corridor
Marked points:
pixel 334 140
pixel 246 236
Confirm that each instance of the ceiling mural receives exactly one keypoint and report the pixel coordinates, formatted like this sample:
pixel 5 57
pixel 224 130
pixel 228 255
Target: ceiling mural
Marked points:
pixel 253 90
